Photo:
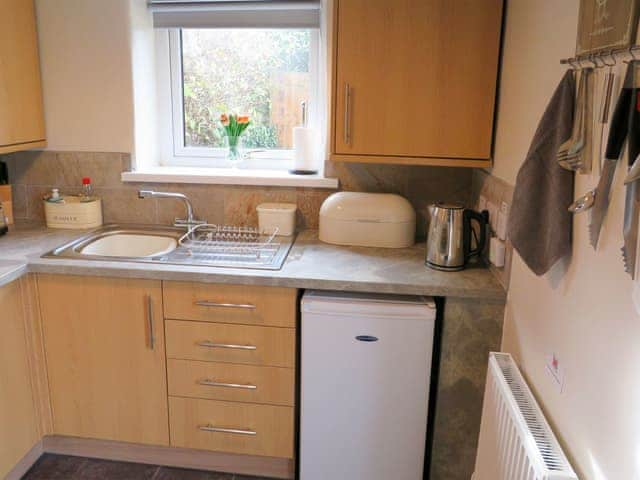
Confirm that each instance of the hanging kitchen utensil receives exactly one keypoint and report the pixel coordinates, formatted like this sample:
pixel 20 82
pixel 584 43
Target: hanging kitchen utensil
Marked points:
pixel 574 158
pixel 605 107
pixel 572 147
pixel 632 193
pixel 615 142
pixel 601 202
pixel 583 203
pixel 607 90
pixel 634 173
pixel 586 157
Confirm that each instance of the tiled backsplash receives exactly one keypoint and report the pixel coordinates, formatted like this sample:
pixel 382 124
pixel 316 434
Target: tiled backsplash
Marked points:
pixel 34 173
pixel 496 191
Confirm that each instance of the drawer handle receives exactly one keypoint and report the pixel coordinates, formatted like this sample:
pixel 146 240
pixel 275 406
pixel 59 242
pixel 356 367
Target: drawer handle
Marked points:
pixel 212 383
pixel 237 431
pixel 207 303
pixel 208 344
pixel 152 334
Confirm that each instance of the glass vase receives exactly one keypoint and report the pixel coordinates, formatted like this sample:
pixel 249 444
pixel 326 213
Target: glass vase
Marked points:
pixel 235 151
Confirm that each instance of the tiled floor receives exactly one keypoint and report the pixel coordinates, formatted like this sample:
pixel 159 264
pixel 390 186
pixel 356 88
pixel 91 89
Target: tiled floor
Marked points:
pixel 60 467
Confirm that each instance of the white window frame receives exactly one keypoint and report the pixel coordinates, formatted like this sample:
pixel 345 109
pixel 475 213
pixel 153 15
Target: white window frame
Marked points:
pixel 273 159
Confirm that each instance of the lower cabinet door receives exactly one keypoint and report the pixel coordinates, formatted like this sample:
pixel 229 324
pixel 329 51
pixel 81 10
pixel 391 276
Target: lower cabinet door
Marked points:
pixel 18 423
pixel 104 342
pixel 265 430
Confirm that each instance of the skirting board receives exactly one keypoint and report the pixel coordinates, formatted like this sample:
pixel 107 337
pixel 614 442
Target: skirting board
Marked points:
pixel 170 456
pixel 25 463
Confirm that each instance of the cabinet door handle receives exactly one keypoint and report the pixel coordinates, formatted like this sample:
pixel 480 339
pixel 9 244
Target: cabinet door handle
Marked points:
pixel 347 114
pixel 209 344
pixel 152 336
pixel 207 303
pixel 212 383
pixel 237 431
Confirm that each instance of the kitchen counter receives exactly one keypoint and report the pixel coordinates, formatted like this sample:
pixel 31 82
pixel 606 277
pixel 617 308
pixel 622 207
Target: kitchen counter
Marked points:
pixel 472 314
pixel 311 264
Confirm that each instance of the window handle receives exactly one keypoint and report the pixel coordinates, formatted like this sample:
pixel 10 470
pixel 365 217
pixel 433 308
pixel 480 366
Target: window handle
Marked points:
pixel 347 114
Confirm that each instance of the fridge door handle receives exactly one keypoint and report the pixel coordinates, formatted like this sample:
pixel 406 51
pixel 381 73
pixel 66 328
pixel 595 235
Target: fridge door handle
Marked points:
pixel 366 338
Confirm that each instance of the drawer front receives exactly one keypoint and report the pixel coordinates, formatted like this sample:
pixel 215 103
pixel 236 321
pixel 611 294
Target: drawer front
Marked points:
pixel 232 427
pixel 231 382
pixel 216 342
pixel 249 305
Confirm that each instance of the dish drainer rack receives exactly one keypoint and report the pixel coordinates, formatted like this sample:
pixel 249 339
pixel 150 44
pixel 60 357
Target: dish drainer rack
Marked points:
pixel 224 245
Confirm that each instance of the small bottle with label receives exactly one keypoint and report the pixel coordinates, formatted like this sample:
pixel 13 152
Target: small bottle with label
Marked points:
pixel 55 196
pixel 87 190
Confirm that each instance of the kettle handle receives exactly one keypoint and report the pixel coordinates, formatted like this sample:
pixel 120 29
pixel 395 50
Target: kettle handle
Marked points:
pixel 483 220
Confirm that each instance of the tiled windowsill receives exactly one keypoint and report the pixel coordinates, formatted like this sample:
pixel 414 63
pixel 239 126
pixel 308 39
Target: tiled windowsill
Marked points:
pixel 227 176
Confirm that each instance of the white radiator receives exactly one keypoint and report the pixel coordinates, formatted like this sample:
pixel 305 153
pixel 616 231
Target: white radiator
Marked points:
pixel 516 442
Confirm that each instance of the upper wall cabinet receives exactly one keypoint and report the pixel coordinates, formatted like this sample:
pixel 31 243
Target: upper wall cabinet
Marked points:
pixel 21 117
pixel 414 81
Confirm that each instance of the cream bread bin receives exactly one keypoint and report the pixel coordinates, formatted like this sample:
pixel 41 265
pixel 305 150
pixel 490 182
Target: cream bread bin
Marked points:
pixel 368 220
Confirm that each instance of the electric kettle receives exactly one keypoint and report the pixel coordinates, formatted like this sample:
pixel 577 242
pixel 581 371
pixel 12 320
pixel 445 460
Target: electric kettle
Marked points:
pixel 449 236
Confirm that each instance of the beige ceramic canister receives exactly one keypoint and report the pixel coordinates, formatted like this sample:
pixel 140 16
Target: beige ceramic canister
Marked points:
pixel 72 212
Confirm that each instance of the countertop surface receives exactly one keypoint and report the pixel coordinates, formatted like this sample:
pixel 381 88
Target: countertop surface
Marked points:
pixel 311 264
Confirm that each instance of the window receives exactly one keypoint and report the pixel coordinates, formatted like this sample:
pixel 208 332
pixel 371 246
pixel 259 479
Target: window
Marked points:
pixel 260 72
pixel 260 58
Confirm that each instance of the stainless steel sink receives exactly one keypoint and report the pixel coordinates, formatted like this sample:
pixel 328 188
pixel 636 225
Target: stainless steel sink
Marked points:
pixel 130 244
pixel 206 245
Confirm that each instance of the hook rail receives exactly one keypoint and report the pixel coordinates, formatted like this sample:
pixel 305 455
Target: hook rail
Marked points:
pixel 608 58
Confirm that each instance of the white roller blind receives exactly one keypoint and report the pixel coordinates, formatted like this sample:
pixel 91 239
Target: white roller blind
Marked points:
pixel 235 13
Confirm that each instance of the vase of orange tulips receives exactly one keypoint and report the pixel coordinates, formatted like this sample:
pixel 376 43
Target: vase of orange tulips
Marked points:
pixel 234 126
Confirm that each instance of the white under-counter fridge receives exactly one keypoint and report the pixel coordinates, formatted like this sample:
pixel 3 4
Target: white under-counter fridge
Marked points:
pixel 366 363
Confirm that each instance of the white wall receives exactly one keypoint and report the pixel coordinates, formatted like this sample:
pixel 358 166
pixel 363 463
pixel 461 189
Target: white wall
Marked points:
pixel 144 76
pixel 584 314
pixel 85 56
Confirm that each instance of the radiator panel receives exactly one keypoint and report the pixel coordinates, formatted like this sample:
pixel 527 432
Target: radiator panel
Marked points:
pixel 516 442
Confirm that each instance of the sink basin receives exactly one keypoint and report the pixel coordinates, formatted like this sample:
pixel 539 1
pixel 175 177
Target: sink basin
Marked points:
pixel 114 242
pixel 130 245
pixel 172 245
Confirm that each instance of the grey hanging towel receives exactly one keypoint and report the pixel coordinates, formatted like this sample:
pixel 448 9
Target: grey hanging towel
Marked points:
pixel 539 223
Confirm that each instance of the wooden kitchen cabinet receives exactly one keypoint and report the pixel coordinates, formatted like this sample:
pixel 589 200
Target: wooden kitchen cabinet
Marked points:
pixel 18 419
pixel 21 112
pixel 231 382
pixel 266 430
pixel 210 302
pixel 104 342
pixel 414 81
pixel 275 347
pixel 231 353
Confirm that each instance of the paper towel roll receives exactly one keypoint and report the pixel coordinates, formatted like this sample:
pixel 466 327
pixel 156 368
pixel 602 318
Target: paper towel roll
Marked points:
pixel 304 150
